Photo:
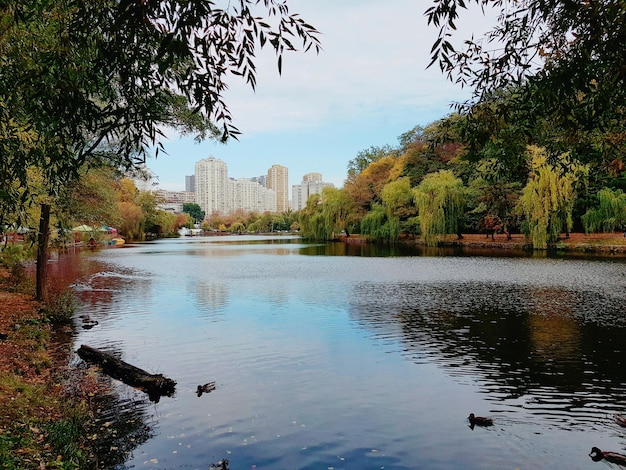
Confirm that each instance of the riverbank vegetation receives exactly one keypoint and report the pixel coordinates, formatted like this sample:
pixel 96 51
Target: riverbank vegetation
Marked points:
pixel 538 150
pixel 45 418
pixel 430 189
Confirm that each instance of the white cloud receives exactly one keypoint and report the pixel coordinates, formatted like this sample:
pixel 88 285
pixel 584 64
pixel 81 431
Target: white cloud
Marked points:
pixel 374 60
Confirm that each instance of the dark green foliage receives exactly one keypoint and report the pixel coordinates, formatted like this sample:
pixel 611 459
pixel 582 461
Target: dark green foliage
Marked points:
pixel 194 211
pixel 610 214
pixel 365 157
pixel 559 65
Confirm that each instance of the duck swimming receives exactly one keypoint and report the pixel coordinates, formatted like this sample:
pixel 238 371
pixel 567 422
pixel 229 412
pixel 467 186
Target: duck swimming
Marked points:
pixel 206 388
pixel 479 420
pixel 613 457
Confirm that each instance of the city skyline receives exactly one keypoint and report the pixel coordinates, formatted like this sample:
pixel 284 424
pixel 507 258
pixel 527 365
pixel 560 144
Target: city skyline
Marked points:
pixel 182 186
pixel 215 191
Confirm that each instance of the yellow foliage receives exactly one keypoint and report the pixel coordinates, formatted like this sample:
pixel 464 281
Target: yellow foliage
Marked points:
pixel 547 200
pixel 440 202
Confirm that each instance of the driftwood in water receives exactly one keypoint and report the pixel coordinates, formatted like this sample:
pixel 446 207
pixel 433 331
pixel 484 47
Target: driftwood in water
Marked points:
pixel 155 385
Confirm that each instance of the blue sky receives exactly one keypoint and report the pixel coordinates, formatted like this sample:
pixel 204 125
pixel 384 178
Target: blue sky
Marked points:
pixel 367 87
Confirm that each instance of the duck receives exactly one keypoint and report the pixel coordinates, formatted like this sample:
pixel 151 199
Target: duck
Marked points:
pixel 621 420
pixel 613 457
pixel 206 388
pixel 88 323
pixel 479 420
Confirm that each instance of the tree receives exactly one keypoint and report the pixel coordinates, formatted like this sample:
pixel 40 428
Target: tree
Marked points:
pixel 610 213
pixel 398 202
pixel 366 157
pixel 194 210
pixel 557 61
pixel 548 199
pixel 377 226
pixel 336 209
pixel 366 188
pixel 99 81
pixel 312 224
pixel 440 199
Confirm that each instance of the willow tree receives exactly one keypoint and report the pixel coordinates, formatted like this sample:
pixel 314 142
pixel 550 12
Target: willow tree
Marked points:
pixel 610 213
pixel 440 201
pixel 376 224
pixel 384 221
pixel 312 220
pixel 547 200
pixel 102 80
pixel 336 209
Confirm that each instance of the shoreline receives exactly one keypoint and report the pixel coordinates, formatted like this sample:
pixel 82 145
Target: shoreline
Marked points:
pixel 598 243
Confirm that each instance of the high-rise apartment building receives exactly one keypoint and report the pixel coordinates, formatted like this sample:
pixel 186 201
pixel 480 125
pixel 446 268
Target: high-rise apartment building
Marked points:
pixel 311 184
pixel 217 193
pixel 213 188
pixel 312 178
pixel 278 180
pixel 250 196
pixel 190 184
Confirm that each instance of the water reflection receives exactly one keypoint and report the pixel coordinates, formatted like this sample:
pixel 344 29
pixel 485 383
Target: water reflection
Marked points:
pixel 211 297
pixel 123 424
pixel 555 353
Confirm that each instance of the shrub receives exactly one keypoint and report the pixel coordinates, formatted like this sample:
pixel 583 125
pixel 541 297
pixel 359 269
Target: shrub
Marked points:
pixel 59 307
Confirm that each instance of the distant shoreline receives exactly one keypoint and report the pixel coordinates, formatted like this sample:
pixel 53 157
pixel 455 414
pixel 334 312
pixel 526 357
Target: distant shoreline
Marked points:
pixel 600 243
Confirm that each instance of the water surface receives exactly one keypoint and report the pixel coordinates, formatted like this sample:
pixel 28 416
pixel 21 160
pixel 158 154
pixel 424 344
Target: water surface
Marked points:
pixel 328 356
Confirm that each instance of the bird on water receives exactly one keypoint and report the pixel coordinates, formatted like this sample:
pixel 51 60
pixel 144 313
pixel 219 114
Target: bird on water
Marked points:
pixel 613 457
pixel 206 388
pixel 479 420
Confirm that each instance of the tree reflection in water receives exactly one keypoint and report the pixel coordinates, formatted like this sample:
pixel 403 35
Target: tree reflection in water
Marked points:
pixel 559 354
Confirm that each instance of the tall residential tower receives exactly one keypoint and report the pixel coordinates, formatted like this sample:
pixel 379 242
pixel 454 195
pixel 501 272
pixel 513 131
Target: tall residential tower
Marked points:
pixel 278 180
pixel 213 188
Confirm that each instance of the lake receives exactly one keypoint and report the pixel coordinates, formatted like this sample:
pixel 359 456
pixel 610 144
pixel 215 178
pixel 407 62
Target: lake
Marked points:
pixel 329 356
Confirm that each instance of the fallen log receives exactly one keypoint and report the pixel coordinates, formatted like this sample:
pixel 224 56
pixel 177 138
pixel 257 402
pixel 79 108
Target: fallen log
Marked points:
pixel 155 385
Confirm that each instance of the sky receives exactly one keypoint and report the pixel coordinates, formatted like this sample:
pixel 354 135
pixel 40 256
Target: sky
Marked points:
pixel 368 85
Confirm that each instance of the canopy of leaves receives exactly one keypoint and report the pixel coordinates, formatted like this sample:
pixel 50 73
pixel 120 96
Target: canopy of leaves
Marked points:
pixel 194 210
pixel 548 198
pixel 557 62
pixel 610 213
pixel 440 199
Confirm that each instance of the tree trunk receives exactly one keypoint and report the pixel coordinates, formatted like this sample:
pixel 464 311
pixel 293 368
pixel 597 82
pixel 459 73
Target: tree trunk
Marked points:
pixel 155 385
pixel 42 252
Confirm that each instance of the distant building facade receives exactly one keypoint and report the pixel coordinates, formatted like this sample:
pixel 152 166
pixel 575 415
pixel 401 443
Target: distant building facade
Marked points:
pixel 215 192
pixel 213 187
pixel 190 184
pixel 278 180
pixel 311 184
pixel 250 196
pixel 176 197
pixel 262 180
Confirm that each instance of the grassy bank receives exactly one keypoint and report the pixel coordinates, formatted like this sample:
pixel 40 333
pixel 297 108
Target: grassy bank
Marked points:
pixel 45 415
